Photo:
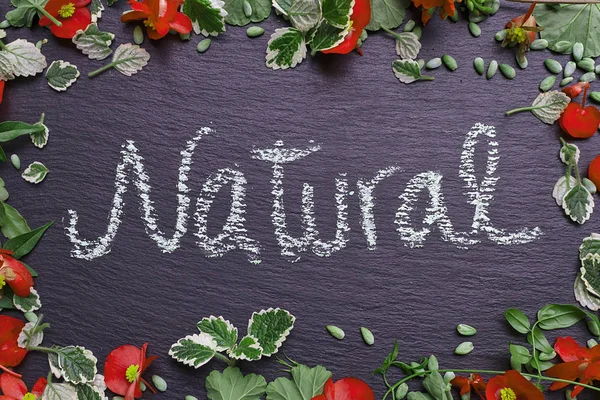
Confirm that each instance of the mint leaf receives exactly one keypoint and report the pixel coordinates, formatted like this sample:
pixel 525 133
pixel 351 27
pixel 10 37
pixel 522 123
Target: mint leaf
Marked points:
pixel 27 338
pixel 20 58
pixel 248 349
pixel 24 243
pixel 584 297
pixel 306 383
pixel 304 14
pixel 590 245
pixel 569 152
pixel 25 12
pixel 232 385
pixel 327 36
pixel 408 45
pixel 208 16
pixel 129 59
pixel 74 364
pixel 29 303
pixel 337 12
pixel 408 71
pixel 94 43
pixel 561 187
pixel 194 350
pixel 549 106
pixel 286 48
pixel 578 204
pixel 35 172
pixel 387 14
pixel 88 392
pixel 59 391
pixel 235 11
pixel 590 273
pixel 271 327
pixel 222 331
pixel 61 75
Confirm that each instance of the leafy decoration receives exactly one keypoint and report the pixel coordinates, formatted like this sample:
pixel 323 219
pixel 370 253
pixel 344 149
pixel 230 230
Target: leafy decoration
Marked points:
pixel 194 350
pixel 408 71
pixel 232 385
pixel 248 349
pixel 549 106
pixel 208 16
pixel 24 243
pixel 59 391
pixel 584 296
pixel 93 42
pixel 25 12
pixel 387 14
pixel 590 273
pixel 13 223
pixel 61 75
pixel 96 8
pixel 306 383
pixel 337 12
pixel 74 364
pixel 35 172
pixel 29 303
pixel 235 11
pixel 407 45
pixel 327 36
pixel 578 203
pixel 222 331
pixel 89 392
pixel 20 58
pixel 128 59
pixel 271 327
pixel 304 14
pixel 285 49
pixel 561 187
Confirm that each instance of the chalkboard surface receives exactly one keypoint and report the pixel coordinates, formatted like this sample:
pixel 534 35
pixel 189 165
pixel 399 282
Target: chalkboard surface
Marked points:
pixel 358 120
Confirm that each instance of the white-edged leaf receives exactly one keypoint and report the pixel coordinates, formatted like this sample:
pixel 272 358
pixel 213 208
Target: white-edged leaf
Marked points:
pixel 285 49
pixel 549 106
pixel 304 14
pixel 40 138
pixel 590 245
pixel 387 14
pixel 327 36
pixel 61 75
pixel 568 151
pixel 221 330
pixel 271 327
pixel 578 204
pixel 27 339
pixel 96 8
pixel 75 364
pixel 89 392
pixel 93 42
pixel 232 385
pixel 129 59
pixel 584 296
pixel 248 349
pixel 282 6
pixel 408 71
pixel 59 391
pixel 29 303
pixel 408 45
pixel 194 350
pixel 590 273
pixel 208 16
pixel 35 172
pixel 561 188
pixel 337 12
pixel 21 58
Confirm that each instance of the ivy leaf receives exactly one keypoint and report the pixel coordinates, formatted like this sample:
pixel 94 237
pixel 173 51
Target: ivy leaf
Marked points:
pixel 558 316
pixel 59 391
pixel 517 320
pixel 549 106
pixel 407 45
pixel 585 297
pixel 20 58
pixel 236 15
pixel 194 350
pixel 208 16
pixel 285 49
pixel 562 187
pixel 271 327
pixel 337 12
pixel 578 204
pixel 232 385
pixel 304 14
pixel 61 75
pixel 24 243
pixel 590 273
pixel 408 71
pixel 222 331
pixel 96 8
pixel 326 36
pixel 248 349
pixel 306 383
pixel 25 12
pixel 94 43
pixel 571 23
pixel 29 303
pixel 35 172
pixel 13 223
pixel 569 152
pixel 74 364
pixel 387 14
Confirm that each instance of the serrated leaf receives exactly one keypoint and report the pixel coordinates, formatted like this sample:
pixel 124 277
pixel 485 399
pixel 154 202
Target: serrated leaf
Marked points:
pixel 589 245
pixel 517 320
pixel 74 364
pixel 282 6
pixel 35 172
pixel 408 71
pixel 590 273
pixel 24 243
pixel 285 49
pixel 387 14
pixel 549 106
pixel 326 36
pixel 561 187
pixel 232 385
pixel 304 14
pixel 235 11
pixel 221 330
pixel 248 349
pixel 408 45
pixel 27 338
pixel 93 42
pixel 208 16
pixel 194 350
pixel 39 138
pixel 306 383
pixel 25 12
pixel 337 12
pixel 569 151
pixel 578 204
pixel 129 59
pixel 59 391
pixel 29 303
pixel 96 8
pixel 585 297
pixel 271 327
pixel 61 75
pixel 89 392
pixel 21 58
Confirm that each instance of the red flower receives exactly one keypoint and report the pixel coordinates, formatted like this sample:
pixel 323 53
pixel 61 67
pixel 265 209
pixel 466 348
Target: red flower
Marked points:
pixel 580 363
pixel 447 8
pixel 159 16
pixel 579 121
pixel 475 382
pixel 72 14
pixel 346 389
pixel 594 171
pixel 123 370
pixel 15 274
pixel 15 389
pixel 575 90
pixel 361 15
pixel 521 31
pixel 512 386
pixel 11 354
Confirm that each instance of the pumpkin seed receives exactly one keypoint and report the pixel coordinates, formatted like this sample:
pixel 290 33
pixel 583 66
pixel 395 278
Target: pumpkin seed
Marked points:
pixel 587 77
pixel 138 35
pixel 495 7
pixel 479 65
pixel 566 81
pixel 449 62
pixel 595 96
pixel 592 343
pixel 247 8
pixel 185 36
pixel 547 83
pixel 401 391
pixel 539 44
pixel 188 397
pixel 410 25
pixel 203 45
pixel 433 364
pixel 590 186
pixel 464 348
pixel 597 69
pixel 522 61
pixel 508 71
pixel 367 335
pixel 578 51
pixel 553 66
pixel 143 386
pixel 335 332
pixel 15 161
pixel 159 383
pixel 492 69
pixel 453 17
pixel 466 330
pixel 254 31
pixel 4 24
pixel 570 69
pixel 434 63
pixel 418 31
pixel 587 64
pixel 500 35
pixel 477 18
pixel 421 63
pixel 474 29
pixel 563 47
pixel 31 317
pixel 547 356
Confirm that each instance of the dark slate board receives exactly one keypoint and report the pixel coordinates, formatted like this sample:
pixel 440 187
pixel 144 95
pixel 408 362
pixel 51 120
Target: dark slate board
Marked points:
pixel 364 121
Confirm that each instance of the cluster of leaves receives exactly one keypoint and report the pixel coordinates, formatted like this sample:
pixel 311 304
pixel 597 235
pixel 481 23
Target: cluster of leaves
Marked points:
pixel 587 284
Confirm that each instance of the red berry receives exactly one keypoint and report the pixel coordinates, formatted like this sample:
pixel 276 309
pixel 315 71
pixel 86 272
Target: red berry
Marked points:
pixel 594 171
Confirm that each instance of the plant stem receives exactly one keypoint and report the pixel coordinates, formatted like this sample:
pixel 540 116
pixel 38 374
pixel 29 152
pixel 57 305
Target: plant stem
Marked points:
pixel 530 108
pixel 48 15
pixel 43 349
pixel 391 32
pixel 10 372
pixel 100 70
pixel 226 359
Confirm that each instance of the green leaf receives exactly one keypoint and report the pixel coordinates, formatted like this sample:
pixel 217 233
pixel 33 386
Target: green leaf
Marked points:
pixel 20 58
pixel 584 297
pixel 306 383
pixel 40 138
pixel 590 273
pixel 235 11
pixel 408 71
pixel 536 338
pixel 590 245
pixel 549 106
pixel 419 396
pixel 194 350
pixel 540 365
pixel 578 204
pixel 3 196
pixel 387 14
pixel 111 2
pixel 6 299
pixel 326 36
pixel 435 386
pixel 10 130
pixel 129 59
pixel 221 330
pixel 248 349
pixel 35 172
pixel 569 152
pixel 89 392
pixel 558 316
pixel 391 357
pixel 96 8
pixel 520 353
pixel 93 42
pixel 61 75
pixel 25 12
pixel 32 335
pixel 407 45
pixel 13 223
pixel 232 385
pixel 23 244
pixel 517 320
pixel 571 23
pixel 59 391
pixel 271 327
pixel 304 14
pixel 74 364
pixel 285 49
pixel 561 187
pixel 29 303
pixel 208 16
pixel 337 12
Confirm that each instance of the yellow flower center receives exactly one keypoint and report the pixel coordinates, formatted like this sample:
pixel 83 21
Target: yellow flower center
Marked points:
pixel 132 373
pixel 29 396
pixel 516 34
pixel 66 11
pixel 507 394
pixel 2 281
pixel 149 24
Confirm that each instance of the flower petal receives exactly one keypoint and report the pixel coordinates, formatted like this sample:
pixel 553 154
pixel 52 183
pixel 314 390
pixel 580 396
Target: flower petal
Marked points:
pixel 181 23
pixel 116 365
pixel 568 349
pixel 12 386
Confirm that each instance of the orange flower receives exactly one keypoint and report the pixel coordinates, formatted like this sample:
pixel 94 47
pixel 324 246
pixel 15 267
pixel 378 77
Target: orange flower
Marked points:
pixel 159 17
pixel 512 386
pixel 447 8
pixel 475 382
pixel 72 14
pixel 580 363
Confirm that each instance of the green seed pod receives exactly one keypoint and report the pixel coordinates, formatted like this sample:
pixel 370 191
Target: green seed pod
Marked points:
pixel 474 29
pixel 563 47
pixel 159 383
pixel 522 61
pixel 539 44
pixel 433 364
pixel 592 343
pixel 587 64
pixel 247 8
pixel 514 364
pixel 421 63
pixel 4 24
pixel 203 45
pixel 589 185
pixel 477 17
pixel 578 51
pixel 143 386
pixel 547 356
pixel 188 397
pixel 185 36
pixel 553 66
pixel 595 96
pixel 501 35
pixel 434 63
pixel 449 62
pixel 587 77
pixel 367 335
pixel 570 68
pixel 508 71
pixel 464 348
pixel 479 65
pixel 31 317
pixel 566 81
pixel 495 7
pixel 410 25
pixel 547 83
pixel 138 35
pixel 335 332
pixel 597 70
pixel 254 31
pixel 492 69
pixel 453 17
pixel 15 161
pixel 466 330
pixel 401 391
pixel 418 31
